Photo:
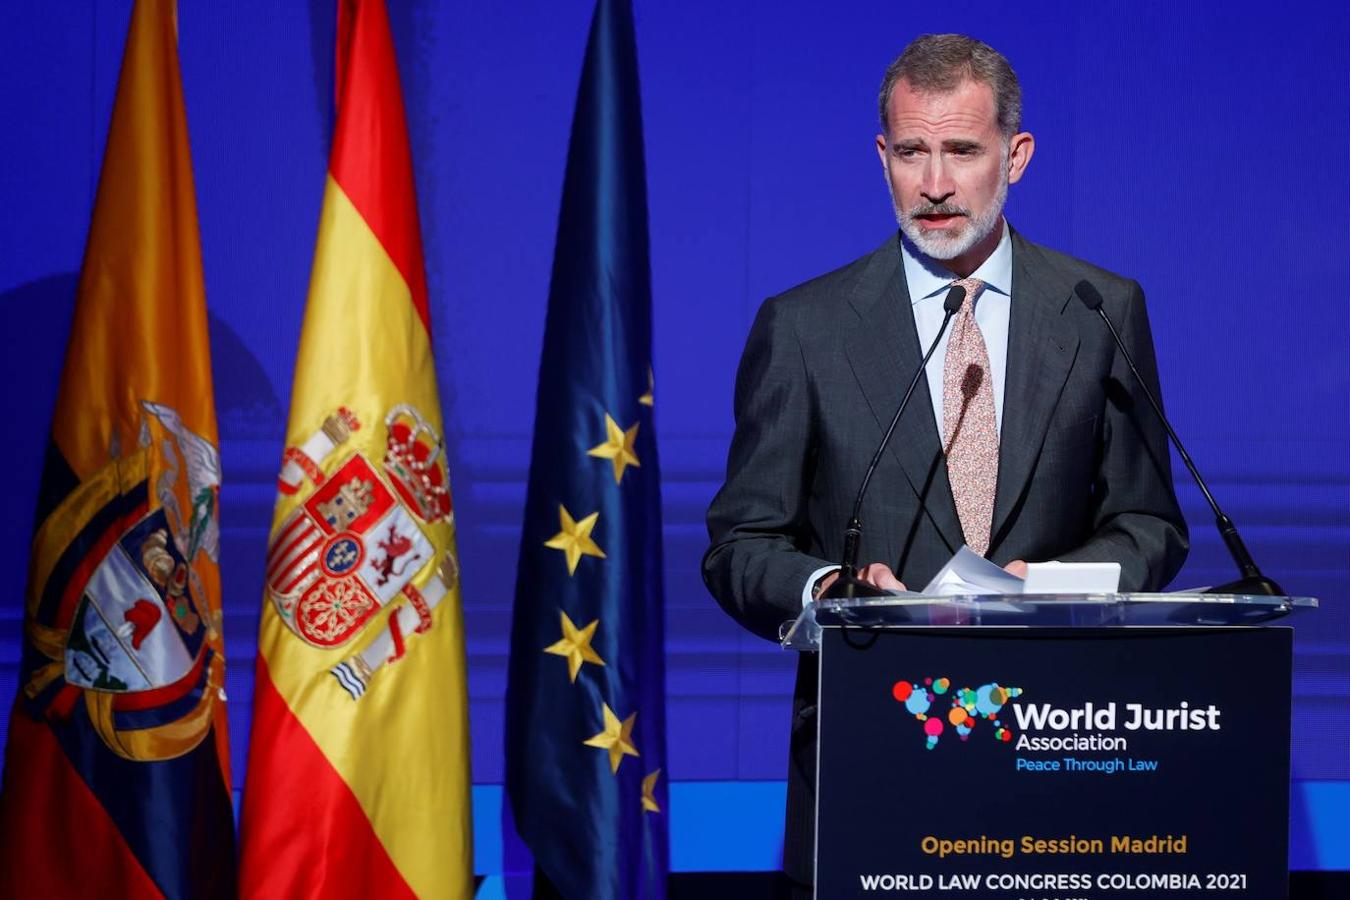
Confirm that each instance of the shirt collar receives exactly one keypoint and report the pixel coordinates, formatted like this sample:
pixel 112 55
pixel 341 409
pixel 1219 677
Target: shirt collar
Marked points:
pixel 926 278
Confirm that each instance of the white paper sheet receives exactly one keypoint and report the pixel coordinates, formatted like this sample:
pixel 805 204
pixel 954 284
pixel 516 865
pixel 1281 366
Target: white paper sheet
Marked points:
pixel 969 573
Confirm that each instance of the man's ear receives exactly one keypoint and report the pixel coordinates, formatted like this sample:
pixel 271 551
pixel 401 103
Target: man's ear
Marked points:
pixel 881 149
pixel 1020 150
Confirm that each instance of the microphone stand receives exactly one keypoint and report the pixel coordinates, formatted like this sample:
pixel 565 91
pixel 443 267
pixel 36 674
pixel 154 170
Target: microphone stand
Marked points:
pixel 848 585
pixel 1252 582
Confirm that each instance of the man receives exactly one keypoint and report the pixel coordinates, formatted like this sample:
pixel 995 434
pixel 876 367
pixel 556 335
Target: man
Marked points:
pixel 1027 438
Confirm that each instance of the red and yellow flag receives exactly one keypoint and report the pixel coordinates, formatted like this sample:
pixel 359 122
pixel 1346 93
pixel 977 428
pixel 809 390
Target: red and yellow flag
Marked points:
pixel 116 771
pixel 358 777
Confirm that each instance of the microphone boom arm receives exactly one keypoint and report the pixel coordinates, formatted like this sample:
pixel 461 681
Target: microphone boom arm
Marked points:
pixel 848 584
pixel 1252 581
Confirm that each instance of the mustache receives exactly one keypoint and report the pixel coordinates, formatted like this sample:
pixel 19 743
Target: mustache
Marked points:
pixel 938 209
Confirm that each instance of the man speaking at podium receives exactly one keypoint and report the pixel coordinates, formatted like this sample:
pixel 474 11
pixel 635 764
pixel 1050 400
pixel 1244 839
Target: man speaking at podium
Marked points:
pixel 1027 439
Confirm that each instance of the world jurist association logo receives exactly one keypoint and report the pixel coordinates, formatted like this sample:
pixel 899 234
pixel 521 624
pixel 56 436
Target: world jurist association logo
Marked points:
pixel 964 708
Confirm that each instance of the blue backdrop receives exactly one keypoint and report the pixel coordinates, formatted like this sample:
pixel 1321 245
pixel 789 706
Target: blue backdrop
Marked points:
pixel 1201 148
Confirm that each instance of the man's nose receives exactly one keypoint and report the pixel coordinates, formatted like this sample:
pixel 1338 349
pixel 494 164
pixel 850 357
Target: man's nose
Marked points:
pixel 937 186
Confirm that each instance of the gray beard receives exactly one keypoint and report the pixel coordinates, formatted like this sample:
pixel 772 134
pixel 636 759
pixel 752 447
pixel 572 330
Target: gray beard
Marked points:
pixel 949 246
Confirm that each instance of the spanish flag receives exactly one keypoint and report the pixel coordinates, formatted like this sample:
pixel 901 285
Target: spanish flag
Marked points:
pixel 358 773
pixel 116 773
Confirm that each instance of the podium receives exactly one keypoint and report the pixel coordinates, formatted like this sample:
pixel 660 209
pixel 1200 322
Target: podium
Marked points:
pixel 1085 746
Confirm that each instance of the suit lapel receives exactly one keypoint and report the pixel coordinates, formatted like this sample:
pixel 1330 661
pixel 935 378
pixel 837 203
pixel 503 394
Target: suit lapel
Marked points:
pixel 883 351
pixel 1041 350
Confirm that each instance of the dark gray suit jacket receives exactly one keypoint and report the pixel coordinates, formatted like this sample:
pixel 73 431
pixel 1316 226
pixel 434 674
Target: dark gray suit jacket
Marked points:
pixel 1084 472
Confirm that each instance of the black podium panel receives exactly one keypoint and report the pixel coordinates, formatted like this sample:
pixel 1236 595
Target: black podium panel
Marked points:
pixel 1054 763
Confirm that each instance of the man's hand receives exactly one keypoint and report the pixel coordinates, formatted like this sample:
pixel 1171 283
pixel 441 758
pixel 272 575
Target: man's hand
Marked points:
pixel 1017 567
pixel 880 575
pixel 877 574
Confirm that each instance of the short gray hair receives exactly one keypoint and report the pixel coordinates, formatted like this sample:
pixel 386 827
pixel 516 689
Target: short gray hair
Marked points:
pixel 938 63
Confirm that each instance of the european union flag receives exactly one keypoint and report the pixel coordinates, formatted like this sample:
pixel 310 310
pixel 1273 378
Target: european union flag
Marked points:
pixel 585 736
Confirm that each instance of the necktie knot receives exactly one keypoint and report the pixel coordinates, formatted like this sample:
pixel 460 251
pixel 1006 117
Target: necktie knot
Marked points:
pixel 973 287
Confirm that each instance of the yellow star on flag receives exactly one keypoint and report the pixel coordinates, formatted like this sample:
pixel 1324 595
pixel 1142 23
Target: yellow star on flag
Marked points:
pixel 618 447
pixel 617 738
pixel 648 399
pixel 575 538
pixel 649 792
pixel 576 646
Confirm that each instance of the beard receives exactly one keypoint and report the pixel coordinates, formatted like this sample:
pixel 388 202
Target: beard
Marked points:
pixel 949 243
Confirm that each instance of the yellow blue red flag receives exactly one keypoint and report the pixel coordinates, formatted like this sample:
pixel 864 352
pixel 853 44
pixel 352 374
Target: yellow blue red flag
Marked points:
pixel 116 772
pixel 358 772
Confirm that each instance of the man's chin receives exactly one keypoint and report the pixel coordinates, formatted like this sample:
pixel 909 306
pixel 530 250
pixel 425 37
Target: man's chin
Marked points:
pixel 937 243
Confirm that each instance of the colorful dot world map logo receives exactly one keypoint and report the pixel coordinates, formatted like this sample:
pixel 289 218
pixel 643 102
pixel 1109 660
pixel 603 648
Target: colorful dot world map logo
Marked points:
pixel 968 706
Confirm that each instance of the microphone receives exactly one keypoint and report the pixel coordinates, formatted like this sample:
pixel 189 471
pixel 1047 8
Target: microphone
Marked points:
pixel 1252 581
pixel 848 585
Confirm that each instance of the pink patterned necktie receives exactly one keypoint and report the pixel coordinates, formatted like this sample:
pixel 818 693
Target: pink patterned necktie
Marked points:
pixel 969 430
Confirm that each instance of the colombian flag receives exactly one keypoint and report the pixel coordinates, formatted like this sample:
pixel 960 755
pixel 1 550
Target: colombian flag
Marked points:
pixel 358 776
pixel 116 780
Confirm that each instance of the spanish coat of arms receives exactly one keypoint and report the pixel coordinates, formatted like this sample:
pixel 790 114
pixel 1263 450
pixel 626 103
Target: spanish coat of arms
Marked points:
pixel 356 542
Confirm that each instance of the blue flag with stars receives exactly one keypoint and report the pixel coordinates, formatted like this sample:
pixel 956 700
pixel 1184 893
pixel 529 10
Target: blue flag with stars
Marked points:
pixel 585 733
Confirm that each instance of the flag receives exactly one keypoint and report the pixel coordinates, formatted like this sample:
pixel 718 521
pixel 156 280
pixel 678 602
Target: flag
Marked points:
pixel 117 768
pixel 358 771
pixel 585 734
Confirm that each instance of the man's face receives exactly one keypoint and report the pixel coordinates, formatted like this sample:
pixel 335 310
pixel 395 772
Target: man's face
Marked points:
pixel 948 168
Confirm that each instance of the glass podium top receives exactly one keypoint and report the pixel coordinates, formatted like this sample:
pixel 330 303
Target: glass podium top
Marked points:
pixel 1026 610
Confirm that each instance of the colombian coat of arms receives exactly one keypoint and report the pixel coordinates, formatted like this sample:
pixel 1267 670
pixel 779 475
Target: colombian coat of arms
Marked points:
pixel 134 634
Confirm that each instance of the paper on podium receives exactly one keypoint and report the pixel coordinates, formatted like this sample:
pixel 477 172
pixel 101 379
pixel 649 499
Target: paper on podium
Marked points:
pixel 1072 578
pixel 969 573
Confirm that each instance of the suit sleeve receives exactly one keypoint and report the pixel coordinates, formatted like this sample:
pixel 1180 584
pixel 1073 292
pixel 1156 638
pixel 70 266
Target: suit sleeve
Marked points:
pixel 1136 518
pixel 757 523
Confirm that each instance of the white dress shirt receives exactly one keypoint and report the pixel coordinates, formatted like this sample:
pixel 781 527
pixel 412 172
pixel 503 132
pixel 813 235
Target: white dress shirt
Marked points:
pixel 928 283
